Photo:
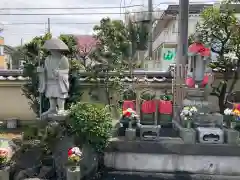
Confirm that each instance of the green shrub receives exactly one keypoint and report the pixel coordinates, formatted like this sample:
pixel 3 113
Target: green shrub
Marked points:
pixel 30 133
pixel 91 124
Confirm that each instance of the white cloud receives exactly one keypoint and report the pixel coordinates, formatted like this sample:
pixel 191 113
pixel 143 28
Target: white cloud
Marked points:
pixel 13 34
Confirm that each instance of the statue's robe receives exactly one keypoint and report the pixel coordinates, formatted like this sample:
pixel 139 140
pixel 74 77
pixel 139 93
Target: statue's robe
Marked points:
pixel 198 66
pixel 56 77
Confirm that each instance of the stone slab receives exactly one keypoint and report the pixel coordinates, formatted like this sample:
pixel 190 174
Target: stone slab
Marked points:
pixel 130 134
pixel 172 146
pixel 188 135
pixel 208 135
pixel 192 92
pixel 149 132
pixel 231 136
pixel 126 175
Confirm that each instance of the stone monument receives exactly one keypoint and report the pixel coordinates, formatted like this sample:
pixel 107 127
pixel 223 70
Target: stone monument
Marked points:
pixel 207 123
pixel 54 77
pixel 199 58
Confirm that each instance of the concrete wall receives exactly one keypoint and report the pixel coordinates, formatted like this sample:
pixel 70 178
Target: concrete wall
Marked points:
pixel 14 103
pixel 171 163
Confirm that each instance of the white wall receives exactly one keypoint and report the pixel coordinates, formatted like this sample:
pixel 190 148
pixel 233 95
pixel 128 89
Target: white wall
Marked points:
pixel 169 36
pixel 171 163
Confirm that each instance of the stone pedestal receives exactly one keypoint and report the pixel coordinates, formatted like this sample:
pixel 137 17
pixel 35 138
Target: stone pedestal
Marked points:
pixel 206 117
pixel 210 135
pixel 149 132
pixel 197 98
pixel 130 134
pixel 56 117
pixel 73 173
pixel 188 135
pixel 4 173
pixel 231 136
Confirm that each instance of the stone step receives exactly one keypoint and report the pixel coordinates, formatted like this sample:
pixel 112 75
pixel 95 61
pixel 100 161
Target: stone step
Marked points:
pixel 192 92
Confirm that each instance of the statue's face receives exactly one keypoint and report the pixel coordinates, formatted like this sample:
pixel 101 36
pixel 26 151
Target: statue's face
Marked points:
pixel 55 52
pixel 197 38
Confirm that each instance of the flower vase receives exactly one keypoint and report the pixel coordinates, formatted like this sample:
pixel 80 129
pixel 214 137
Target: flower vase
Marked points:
pixel 5 173
pixel 188 124
pixel 233 124
pixel 228 119
pixel 73 173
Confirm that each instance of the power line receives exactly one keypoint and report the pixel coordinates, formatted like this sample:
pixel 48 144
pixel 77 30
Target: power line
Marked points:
pixel 44 23
pixel 61 8
pixel 101 7
pixel 66 14
pixel 63 23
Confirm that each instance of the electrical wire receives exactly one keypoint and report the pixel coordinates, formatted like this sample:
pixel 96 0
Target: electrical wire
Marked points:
pixel 69 8
pixel 44 23
pixel 67 14
pixel 102 7
pixel 62 23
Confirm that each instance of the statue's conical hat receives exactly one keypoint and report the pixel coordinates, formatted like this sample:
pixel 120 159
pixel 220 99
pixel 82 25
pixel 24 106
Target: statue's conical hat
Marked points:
pixel 55 44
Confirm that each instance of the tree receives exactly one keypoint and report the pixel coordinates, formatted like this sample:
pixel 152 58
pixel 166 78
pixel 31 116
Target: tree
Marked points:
pixel 35 56
pixel 116 44
pixel 218 30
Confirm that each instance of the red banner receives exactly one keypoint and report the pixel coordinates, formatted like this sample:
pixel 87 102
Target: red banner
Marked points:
pixel 128 104
pixel 165 107
pixel 148 107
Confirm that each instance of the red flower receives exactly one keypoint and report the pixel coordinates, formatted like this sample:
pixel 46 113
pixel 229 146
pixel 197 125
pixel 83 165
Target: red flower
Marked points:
pixel 127 114
pixel 70 152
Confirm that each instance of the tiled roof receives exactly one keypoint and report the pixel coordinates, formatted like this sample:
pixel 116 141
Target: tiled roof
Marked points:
pixel 138 76
pixel 11 78
pixel 134 79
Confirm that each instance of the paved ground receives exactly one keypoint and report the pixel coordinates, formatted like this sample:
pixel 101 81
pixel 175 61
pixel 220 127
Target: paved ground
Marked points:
pixel 153 176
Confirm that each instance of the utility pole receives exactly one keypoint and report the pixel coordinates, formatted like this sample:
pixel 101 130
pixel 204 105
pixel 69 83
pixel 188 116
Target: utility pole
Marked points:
pixel 182 52
pixel 21 41
pixel 150 18
pixel 182 46
pixel 49 26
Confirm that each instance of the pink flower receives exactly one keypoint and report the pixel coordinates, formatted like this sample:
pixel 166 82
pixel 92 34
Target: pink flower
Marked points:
pixel 74 151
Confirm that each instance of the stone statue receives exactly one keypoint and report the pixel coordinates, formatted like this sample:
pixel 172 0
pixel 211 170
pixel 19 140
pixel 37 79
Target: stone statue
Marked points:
pixel 54 77
pixel 199 58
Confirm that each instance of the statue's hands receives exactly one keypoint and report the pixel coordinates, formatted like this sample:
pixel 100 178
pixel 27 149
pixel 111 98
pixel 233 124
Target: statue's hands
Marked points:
pixel 56 72
pixel 40 69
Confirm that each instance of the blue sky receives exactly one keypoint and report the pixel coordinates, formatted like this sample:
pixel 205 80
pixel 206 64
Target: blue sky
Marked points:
pixel 14 33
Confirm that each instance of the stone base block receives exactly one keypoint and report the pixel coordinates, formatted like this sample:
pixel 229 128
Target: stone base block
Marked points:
pixel 188 135
pixel 208 135
pixel 73 173
pixel 231 136
pixel 4 174
pixel 149 132
pixel 130 134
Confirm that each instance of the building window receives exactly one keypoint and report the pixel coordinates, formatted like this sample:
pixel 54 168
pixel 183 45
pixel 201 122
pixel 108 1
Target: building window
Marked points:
pixel 174 28
pixel 1 50
pixel 158 65
pixel 146 65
